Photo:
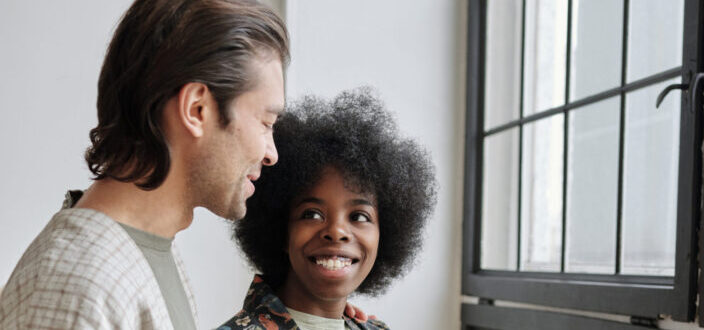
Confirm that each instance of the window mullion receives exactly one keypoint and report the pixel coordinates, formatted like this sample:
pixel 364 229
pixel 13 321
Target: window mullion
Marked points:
pixel 520 137
pixel 565 136
pixel 621 138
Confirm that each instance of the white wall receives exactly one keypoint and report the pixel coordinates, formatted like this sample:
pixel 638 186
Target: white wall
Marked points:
pixel 50 58
pixel 413 53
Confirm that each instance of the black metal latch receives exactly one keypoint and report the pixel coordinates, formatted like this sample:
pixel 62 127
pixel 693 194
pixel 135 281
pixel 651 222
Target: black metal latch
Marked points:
pixel 685 87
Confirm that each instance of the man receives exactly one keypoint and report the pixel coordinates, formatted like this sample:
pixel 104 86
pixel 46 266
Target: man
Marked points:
pixel 187 97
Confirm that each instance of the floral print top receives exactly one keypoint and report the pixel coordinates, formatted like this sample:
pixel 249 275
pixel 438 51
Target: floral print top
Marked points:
pixel 263 310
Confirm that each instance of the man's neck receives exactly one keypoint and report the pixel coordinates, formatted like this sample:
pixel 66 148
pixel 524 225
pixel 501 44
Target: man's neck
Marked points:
pixel 162 211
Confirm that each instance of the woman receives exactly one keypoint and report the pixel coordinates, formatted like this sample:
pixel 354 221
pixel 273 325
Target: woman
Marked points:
pixel 343 211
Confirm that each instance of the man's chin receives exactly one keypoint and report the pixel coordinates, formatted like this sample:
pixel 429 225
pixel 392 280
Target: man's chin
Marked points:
pixel 235 215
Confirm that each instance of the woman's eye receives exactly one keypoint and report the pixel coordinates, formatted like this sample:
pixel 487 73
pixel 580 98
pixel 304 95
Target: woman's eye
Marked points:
pixel 360 217
pixel 311 214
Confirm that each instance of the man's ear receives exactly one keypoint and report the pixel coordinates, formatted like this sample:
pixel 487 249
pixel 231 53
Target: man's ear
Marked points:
pixel 194 101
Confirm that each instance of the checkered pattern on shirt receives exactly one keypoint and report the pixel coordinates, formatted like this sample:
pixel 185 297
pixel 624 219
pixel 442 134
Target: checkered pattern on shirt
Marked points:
pixel 83 271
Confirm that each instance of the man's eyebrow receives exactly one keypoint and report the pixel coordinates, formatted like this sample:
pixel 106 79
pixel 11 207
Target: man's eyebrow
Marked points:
pixel 276 110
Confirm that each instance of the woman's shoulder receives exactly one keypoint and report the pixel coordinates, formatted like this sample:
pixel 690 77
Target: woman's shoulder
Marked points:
pixel 242 320
pixel 262 309
pixel 368 325
pixel 258 319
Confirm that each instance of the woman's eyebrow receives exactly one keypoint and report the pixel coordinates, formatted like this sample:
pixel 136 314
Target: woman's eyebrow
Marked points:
pixel 360 201
pixel 311 200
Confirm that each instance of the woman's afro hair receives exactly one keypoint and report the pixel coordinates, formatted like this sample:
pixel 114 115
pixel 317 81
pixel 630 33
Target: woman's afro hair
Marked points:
pixel 354 134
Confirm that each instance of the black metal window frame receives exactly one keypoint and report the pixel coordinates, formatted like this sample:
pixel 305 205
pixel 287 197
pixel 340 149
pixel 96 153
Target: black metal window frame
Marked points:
pixel 643 296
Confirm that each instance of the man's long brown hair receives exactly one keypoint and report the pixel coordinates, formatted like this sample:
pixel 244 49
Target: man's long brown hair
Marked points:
pixel 159 46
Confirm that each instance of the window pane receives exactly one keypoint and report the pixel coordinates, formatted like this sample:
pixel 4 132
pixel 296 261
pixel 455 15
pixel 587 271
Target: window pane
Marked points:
pixel 654 37
pixel 500 201
pixel 545 49
pixel 592 187
pixel 650 182
pixel 503 62
pixel 596 46
pixel 541 194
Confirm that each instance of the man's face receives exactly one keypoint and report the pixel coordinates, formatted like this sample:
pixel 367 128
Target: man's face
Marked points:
pixel 232 156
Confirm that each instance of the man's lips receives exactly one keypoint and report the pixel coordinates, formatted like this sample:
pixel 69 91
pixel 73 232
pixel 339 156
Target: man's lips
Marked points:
pixel 249 188
pixel 250 183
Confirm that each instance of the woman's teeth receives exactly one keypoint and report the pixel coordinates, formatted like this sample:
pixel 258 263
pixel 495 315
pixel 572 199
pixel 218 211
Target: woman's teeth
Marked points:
pixel 333 263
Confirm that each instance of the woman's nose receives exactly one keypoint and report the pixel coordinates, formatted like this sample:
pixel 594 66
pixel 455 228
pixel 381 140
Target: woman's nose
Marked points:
pixel 336 230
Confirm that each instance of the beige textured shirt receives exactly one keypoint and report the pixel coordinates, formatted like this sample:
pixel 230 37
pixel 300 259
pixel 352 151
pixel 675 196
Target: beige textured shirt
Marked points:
pixel 159 254
pixel 83 271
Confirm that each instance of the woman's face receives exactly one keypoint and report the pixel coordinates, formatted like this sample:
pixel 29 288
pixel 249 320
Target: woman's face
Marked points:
pixel 332 240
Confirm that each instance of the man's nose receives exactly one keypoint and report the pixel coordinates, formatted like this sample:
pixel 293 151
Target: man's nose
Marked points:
pixel 271 156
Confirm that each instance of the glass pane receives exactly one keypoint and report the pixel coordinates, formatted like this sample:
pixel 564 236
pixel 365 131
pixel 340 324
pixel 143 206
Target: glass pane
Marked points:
pixel 541 194
pixel 596 46
pixel 545 49
pixel 503 62
pixel 650 182
pixel 592 188
pixel 500 201
pixel 654 37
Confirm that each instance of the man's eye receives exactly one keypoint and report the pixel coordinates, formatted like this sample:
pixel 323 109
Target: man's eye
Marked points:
pixel 311 214
pixel 360 217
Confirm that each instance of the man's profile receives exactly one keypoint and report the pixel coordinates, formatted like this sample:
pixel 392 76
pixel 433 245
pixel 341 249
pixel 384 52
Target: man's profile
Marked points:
pixel 187 97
